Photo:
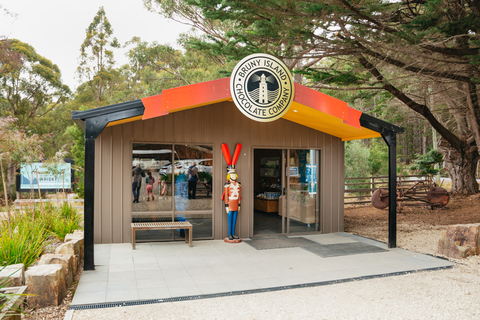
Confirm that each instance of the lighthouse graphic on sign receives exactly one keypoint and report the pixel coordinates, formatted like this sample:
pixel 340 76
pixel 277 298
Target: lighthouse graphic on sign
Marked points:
pixel 263 88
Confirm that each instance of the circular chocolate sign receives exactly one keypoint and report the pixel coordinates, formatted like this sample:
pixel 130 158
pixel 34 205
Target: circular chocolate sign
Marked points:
pixel 262 87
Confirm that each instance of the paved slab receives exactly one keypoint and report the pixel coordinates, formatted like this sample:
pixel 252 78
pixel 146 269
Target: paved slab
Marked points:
pixel 172 271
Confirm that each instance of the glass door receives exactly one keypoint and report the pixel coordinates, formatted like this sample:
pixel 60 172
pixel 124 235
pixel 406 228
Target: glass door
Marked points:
pixel 302 196
pixel 268 180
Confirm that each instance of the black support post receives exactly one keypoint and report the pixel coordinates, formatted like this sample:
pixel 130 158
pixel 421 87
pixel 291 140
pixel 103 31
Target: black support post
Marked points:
pixel 389 134
pixel 93 122
pixel 391 140
pixel 89 263
pixel 93 127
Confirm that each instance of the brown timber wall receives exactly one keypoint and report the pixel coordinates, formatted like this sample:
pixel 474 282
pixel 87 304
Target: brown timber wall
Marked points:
pixel 212 125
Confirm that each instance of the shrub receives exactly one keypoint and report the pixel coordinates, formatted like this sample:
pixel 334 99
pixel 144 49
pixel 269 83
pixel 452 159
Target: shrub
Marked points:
pixel 31 232
pixel 25 244
pixel 356 159
pixel 61 227
pixel 62 220
pixel 357 164
pixel 425 164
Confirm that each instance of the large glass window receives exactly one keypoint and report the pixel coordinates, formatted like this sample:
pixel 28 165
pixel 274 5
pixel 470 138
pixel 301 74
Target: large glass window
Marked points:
pixel 151 186
pixel 172 183
pixel 193 178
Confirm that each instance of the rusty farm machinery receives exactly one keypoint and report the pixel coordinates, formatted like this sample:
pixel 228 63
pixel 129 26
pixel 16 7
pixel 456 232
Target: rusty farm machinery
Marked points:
pixel 413 193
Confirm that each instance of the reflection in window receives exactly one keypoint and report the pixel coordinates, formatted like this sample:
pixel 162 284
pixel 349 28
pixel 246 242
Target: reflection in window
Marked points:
pixel 151 182
pixel 193 178
pixel 180 174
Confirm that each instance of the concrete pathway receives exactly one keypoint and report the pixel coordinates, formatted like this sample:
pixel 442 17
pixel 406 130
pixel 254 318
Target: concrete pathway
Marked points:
pixel 172 271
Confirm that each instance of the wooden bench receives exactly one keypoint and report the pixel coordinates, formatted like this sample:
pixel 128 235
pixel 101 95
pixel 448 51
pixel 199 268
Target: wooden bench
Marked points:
pixel 203 191
pixel 163 226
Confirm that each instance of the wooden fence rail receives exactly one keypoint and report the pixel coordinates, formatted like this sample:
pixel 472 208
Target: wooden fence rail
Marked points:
pixel 359 190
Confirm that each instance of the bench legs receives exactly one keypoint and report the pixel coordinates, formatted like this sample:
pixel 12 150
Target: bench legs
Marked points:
pixel 188 236
pixel 133 238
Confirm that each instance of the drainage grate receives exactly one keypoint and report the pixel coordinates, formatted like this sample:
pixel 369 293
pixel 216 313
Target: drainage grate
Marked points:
pixel 244 292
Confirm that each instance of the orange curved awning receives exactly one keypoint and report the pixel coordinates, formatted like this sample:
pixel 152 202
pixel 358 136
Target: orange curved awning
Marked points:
pixel 187 97
pixel 310 108
pixel 327 114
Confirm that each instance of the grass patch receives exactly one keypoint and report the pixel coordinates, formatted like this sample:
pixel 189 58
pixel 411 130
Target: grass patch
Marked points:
pixel 25 243
pixel 67 219
pixel 33 230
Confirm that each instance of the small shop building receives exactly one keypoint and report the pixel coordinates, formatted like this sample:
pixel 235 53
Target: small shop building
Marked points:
pixel 290 166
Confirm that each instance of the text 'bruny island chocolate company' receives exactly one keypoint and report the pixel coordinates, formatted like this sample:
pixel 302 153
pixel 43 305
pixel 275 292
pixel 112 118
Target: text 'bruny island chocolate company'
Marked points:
pixel 262 87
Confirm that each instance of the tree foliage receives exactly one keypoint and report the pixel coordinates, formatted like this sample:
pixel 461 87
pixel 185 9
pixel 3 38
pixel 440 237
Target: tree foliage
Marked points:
pixel 425 164
pixel 97 58
pixel 152 68
pixel 424 54
pixel 365 159
pixel 30 85
pixel 15 147
pixel 32 92
pixel 357 160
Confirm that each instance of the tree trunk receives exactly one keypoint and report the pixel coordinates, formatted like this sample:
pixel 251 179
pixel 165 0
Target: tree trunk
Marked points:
pixel 11 182
pixel 461 166
pixel 6 196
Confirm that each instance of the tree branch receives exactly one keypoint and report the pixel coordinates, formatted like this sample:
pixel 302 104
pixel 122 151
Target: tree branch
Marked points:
pixel 419 108
pixel 424 71
pixel 321 86
pixel 452 51
pixel 370 19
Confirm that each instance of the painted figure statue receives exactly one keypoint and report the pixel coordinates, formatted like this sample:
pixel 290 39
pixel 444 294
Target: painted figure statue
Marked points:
pixel 232 192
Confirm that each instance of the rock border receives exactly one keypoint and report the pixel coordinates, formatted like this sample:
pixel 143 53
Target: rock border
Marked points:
pixel 52 274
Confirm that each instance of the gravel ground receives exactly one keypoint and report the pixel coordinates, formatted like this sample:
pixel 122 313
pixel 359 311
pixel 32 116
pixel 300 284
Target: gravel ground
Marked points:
pixel 445 294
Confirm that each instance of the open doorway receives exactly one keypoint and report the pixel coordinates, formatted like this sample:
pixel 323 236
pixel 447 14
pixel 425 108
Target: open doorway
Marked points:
pixel 268 187
pixel 286 191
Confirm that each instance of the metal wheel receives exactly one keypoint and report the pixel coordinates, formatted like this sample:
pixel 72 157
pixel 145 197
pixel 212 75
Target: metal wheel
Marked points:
pixel 380 199
pixel 438 197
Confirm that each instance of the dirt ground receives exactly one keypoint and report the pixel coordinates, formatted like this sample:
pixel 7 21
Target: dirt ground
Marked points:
pixel 413 223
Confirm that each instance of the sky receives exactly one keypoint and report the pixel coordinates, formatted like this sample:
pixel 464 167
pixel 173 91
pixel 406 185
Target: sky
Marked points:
pixel 57 28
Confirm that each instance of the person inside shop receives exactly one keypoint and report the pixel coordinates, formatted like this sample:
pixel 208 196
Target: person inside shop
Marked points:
pixel 233 197
pixel 192 180
pixel 137 174
pixel 150 180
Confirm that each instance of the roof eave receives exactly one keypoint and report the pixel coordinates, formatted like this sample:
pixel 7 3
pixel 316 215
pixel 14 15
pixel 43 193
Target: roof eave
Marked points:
pixel 107 110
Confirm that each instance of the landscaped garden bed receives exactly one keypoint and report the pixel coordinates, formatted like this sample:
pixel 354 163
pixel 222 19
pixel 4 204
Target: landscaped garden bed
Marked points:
pixel 31 233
